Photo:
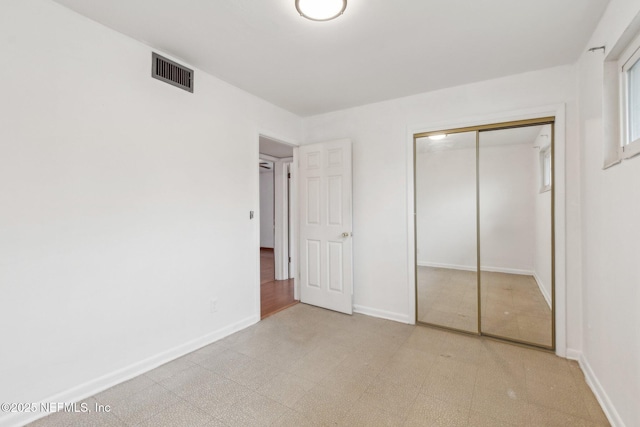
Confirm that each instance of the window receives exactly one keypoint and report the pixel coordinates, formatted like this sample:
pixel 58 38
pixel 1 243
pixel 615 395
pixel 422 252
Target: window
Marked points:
pixel 630 90
pixel 545 169
pixel 621 98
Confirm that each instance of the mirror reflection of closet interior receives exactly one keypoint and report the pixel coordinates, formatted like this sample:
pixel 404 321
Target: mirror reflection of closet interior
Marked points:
pixel 484 245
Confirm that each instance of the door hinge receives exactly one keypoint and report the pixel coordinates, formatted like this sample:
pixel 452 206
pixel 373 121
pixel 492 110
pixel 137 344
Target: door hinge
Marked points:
pixel 289 175
pixel 289 260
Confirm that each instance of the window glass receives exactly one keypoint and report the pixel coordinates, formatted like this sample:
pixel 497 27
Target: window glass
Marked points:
pixel 545 162
pixel 634 101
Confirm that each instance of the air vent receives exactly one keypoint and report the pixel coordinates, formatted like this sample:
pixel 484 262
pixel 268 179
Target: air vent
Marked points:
pixel 265 164
pixel 173 73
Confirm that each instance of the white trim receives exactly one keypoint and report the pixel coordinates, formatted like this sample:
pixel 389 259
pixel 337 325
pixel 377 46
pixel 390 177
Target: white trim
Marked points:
pixel 543 290
pixel 474 268
pixel 601 395
pixel 556 110
pixel 382 314
pixel 281 220
pixel 295 227
pixel 104 382
pixel 573 354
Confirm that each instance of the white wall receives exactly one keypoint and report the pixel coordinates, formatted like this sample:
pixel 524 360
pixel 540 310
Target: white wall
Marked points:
pixel 507 207
pixel 611 239
pixel 380 133
pixel 115 230
pixel 267 197
pixel 446 208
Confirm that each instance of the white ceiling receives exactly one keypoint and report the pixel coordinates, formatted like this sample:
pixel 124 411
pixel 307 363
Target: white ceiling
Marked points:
pixel 377 50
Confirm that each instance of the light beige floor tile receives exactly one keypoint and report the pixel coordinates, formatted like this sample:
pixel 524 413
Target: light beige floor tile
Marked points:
pixel 502 378
pixel 478 419
pixel 428 340
pixel 191 380
pixel 318 363
pixel 390 396
pixel 216 400
pixel 502 405
pixel 254 406
pixel 293 418
pixel 309 366
pixel 144 404
pixel 180 414
pixel 320 406
pixel 364 415
pixel 254 374
pixel 226 363
pixel 404 375
pixel 365 360
pixel 595 411
pixel 430 411
pixel 561 397
pixel 286 389
pixel 544 416
pixel 347 383
pixel 452 382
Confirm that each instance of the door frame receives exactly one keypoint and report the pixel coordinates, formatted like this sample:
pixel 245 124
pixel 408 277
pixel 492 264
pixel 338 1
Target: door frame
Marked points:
pixel 558 111
pixel 291 213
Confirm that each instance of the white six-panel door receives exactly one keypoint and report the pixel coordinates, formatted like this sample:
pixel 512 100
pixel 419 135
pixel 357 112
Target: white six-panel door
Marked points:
pixel 324 188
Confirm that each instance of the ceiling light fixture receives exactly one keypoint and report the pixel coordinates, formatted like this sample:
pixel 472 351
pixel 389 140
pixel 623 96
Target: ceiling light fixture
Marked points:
pixel 321 10
pixel 438 137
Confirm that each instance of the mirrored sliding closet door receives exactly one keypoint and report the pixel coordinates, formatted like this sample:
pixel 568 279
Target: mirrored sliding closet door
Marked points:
pixel 446 243
pixel 484 230
pixel 514 170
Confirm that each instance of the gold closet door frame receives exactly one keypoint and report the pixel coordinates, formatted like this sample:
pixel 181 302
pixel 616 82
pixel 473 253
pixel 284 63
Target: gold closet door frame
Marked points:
pixel 550 120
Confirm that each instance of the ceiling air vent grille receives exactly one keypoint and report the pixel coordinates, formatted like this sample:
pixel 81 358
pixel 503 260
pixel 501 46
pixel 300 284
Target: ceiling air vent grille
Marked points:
pixel 172 72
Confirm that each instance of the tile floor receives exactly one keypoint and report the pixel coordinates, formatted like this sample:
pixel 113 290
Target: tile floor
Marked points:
pixel 306 366
pixel 512 305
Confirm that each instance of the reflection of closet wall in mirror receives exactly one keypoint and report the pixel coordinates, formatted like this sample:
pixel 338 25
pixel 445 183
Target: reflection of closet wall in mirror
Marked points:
pixel 542 260
pixel 516 227
pixel 507 210
pixel 446 202
pixel 515 234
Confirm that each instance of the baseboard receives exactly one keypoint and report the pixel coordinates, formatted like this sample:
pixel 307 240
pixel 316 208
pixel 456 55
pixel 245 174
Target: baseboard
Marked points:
pixel 100 384
pixel 474 268
pixel 573 354
pixel 603 399
pixel 382 314
pixel 543 290
pixel 448 266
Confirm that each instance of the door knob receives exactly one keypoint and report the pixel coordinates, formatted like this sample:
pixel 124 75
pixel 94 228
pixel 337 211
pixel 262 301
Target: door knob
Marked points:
pixel 345 234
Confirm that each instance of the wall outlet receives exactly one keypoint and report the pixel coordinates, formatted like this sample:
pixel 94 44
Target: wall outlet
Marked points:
pixel 213 306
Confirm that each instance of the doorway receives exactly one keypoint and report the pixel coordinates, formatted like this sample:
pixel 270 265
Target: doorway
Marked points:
pixel 484 230
pixel 277 254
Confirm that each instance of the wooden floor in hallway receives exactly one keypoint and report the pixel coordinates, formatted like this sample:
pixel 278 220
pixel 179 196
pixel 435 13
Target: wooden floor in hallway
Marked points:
pixel 275 295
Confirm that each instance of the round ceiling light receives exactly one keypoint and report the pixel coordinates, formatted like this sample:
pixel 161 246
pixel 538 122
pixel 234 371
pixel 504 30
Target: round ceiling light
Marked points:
pixel 321 10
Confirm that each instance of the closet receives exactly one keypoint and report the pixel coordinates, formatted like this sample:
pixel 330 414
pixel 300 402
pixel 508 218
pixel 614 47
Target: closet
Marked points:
pixel 484 208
